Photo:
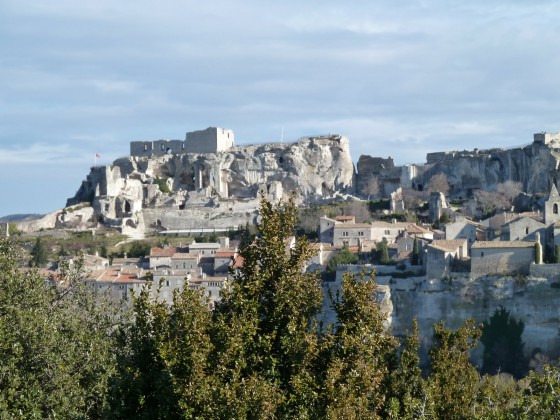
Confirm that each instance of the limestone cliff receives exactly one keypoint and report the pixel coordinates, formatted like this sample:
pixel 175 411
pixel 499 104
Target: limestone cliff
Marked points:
pixel 533 299
pixel 215 190
pixel 535 166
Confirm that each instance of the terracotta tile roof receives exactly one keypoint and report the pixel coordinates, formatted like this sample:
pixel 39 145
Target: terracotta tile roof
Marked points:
pixel 163 252
pixel 503 244
pixel 224 254
pixel 415 229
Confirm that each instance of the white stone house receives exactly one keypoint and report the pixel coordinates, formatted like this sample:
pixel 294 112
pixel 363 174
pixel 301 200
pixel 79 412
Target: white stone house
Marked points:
pixel 463 229
pixel 350 234
pixel 523 229
pixel 441 253
pixel 498 257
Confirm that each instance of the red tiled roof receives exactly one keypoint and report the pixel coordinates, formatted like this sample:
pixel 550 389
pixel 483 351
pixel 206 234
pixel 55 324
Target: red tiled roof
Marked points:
pixel 163 252
pixel 224 254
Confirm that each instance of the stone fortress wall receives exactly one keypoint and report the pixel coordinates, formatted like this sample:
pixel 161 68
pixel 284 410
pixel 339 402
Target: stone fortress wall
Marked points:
pixel 210 140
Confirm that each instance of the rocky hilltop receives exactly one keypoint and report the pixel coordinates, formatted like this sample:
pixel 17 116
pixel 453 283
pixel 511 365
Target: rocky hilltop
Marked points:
pixel 535 166
pixel 181 191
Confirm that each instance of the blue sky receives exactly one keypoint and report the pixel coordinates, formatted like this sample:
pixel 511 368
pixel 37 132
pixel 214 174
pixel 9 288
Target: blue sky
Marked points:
pixel 399 79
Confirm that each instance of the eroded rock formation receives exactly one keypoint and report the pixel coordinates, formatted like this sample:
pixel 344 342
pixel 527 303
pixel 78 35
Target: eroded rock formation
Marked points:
pixel 215 190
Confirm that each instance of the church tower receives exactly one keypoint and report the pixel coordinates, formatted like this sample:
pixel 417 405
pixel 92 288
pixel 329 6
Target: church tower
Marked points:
pixel 552 206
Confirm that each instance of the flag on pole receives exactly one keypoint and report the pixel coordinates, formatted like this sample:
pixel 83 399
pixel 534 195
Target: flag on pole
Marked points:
pixel 97 155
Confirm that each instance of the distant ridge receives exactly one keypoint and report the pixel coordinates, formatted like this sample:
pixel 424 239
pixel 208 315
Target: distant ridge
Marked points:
pixel 20 217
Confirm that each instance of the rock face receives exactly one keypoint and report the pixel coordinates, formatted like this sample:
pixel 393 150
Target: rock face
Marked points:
pixel 215 190
pixel 535 166
pixel 533 299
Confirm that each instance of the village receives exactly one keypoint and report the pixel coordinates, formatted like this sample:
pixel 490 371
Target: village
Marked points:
pixel 505 244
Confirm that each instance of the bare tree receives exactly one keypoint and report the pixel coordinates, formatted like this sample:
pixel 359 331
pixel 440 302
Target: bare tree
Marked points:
pixel 509 191
pixel 412 198
pixel 439 183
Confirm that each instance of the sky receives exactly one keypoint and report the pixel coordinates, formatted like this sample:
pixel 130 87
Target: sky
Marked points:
pixel 399 79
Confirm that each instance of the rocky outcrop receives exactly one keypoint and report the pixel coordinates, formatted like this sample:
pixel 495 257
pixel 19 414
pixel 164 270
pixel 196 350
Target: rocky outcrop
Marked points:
pixel 533 299
pixel 535 166
pixel 220 190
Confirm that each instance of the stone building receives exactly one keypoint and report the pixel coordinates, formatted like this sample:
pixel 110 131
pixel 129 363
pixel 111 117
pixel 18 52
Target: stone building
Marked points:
pixel 441 253
pixel 499 257
pixel 210 140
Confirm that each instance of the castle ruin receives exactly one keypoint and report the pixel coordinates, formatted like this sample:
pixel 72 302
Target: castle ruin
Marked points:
pixel 211 140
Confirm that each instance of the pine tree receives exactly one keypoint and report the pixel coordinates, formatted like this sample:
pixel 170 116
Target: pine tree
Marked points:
pixel 503 347
pixel 407 395
pixel 39 253
pixel 357 367
pixel 453 382
pixel 263 330
pixel 415 260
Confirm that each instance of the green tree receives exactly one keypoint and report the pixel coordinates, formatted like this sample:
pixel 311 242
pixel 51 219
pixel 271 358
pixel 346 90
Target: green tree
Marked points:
pixel 142 386
pixel 453 382
pixel 265 339
pixel 383 251
pixel 407 396
pixel 345 256
pixel 557 254
pixel 540 399
pixel 138 249
pixel 39 253
pixel 415 259
pixel 359 350
pixel 56 345
pixel 503 347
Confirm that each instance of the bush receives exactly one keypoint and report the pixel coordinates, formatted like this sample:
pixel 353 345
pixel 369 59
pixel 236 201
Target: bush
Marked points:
pixel 162 184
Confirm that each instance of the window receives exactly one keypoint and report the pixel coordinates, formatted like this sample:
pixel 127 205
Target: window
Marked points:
pixel 555 208
pixel 481 253
pixel 209 293
pixel 167 283
pixel 163 147
pixel 184 265
pixel 344 243
pixel 360 233
pixel 387 232
pixel 526 231
pixel 344 233
pixel 145 148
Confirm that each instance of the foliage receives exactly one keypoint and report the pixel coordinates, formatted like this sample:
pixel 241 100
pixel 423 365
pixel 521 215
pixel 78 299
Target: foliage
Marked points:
pixel 56 346
pixel 453 382
pixel 383 252
pixel 263 331
pixel 415 258
pixel 138 249
pixel 13 230
pixel 358 352
pixel 345 256
pixel 162 184
pixel 503 347
pixel 39 253
pixel 540 399
pixel 379 205
pixel 557 254
pixel 407 395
